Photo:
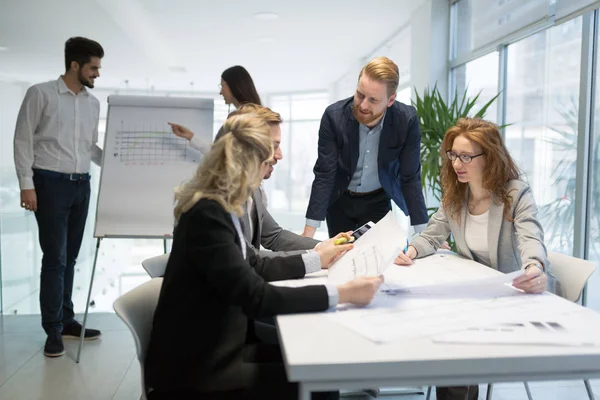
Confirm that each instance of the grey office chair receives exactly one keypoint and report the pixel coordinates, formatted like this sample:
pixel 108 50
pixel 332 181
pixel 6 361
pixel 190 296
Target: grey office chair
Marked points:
pixel 156 266
pixel 136 309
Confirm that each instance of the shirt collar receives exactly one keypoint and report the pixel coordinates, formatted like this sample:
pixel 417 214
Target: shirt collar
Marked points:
pixel 63 88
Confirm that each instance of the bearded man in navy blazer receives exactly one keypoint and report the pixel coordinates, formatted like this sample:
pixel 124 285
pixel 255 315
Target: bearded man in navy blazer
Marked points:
pixel 369 148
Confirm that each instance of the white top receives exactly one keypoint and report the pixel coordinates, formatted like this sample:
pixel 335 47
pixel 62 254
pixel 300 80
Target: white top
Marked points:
pixel 476 236
pixel 57 130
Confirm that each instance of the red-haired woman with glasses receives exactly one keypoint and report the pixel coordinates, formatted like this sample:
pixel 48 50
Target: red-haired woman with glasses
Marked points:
pixel 489 211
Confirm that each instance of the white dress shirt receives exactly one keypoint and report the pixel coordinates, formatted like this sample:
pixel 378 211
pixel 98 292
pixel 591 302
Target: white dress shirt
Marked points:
pixel 57 130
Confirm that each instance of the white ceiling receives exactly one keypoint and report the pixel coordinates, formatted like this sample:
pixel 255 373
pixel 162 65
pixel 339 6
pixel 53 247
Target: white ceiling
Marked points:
pixel 314 42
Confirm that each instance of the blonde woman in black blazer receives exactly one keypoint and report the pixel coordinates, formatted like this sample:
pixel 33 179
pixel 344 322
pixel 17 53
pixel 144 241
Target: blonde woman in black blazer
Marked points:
pixel 214 284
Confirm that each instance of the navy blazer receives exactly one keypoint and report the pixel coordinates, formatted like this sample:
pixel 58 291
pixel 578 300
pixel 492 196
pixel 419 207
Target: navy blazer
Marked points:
pixel 398 160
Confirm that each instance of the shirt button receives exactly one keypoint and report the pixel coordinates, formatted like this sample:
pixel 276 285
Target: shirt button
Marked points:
pixel 368 151
pixel 366 166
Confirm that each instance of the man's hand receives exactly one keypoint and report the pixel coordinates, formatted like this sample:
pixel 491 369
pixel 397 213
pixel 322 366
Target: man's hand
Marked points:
pixel 309 231
pixel 29 199
pixel 328 251
pixel 181 131
pixel 359 291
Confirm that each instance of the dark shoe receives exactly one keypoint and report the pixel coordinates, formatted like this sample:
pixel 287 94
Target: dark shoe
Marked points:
pixel 73 331
pixel 54 346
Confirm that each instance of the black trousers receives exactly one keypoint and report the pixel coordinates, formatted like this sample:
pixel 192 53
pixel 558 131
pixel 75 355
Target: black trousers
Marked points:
pixel 351 211
pixel 264 368
pixel 457 393
pixel 61 214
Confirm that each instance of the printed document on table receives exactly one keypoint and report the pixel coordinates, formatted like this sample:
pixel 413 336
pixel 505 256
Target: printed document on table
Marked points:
pixel 488 286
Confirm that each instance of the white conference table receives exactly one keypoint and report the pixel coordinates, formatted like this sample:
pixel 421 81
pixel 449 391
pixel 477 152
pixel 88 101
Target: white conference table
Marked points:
pixel 321 354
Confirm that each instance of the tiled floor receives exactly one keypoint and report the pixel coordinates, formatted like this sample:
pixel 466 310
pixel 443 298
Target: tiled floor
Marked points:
pixel 110 370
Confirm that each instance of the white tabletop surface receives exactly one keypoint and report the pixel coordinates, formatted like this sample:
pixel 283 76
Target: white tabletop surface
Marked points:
pixel 321 351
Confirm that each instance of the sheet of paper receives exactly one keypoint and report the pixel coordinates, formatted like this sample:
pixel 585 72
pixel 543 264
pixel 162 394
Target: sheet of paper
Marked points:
pixel 373 253
pixel 489 286
pixel 439 298
pixel 418 318
pixel 314 278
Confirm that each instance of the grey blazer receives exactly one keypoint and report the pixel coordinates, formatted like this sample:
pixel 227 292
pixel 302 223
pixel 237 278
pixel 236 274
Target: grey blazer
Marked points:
pixel 511 244
pixel 270 235
pixel 267 232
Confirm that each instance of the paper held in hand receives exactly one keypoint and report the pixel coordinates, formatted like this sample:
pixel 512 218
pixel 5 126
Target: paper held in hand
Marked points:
pixel 374 252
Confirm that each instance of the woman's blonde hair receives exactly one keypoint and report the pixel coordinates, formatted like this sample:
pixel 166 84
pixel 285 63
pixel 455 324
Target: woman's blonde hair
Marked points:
pixel 499 165
pixel 232 168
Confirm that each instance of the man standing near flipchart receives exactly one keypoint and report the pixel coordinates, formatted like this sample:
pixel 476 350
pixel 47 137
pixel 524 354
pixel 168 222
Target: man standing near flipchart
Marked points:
pixel 55 140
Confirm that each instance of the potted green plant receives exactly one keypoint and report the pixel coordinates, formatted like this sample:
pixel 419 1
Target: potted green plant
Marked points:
pixel 436 116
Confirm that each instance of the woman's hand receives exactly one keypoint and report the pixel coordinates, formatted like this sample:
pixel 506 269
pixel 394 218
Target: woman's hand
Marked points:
pixel 181 131
pixel 406 257
pixel 533 281
pixel 328 251
pixel 359 291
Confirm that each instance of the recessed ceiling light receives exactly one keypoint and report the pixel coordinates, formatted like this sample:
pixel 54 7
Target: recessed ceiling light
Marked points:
pixel 267 16
pixel 266 40
pixel 178 69
pixel 2 48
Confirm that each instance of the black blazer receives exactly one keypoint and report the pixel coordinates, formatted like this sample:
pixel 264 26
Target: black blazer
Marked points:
pixel 398 159
pixel 208 294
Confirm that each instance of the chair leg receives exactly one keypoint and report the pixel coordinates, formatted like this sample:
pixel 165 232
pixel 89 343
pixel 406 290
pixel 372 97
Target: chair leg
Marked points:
pixel 428 393
pixel 588 388
pixel 490 389
pixel 528 390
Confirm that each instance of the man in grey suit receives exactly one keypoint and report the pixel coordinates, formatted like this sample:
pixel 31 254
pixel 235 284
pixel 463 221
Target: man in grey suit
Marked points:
pixel 258 225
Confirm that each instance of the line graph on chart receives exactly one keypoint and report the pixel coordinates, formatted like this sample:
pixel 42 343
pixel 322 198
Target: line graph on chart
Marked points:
pixel 368 262
pixel 151 144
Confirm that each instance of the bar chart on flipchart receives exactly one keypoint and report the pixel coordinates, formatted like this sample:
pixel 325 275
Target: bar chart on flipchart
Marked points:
pixel 151 144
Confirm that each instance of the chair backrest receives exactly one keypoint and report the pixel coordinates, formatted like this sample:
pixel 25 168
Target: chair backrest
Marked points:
pixel 136 309
pixel 156 266
pixel 572 274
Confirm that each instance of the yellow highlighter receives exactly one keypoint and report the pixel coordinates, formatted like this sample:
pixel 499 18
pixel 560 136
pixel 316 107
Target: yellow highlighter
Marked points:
pixel 343 240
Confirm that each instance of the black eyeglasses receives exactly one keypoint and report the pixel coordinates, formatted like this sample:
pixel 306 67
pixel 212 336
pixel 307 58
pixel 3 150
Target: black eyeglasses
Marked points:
pixel 464 158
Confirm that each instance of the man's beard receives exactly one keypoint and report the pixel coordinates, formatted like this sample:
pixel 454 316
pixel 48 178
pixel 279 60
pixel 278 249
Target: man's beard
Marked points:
pixel 84 82
pixel 269 172
pixel 365 119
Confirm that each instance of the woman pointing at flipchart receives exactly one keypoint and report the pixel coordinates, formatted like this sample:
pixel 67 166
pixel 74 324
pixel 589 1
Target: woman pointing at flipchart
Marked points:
pixel 237 89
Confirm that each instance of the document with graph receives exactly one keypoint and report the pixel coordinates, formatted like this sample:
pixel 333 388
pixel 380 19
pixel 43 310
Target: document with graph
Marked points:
pixel 374 252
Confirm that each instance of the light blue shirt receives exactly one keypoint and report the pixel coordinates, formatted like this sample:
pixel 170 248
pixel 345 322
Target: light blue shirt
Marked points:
pixel 366 175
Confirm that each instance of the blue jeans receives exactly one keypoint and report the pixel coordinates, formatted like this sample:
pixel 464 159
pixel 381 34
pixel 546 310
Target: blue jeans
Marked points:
pixel 62 207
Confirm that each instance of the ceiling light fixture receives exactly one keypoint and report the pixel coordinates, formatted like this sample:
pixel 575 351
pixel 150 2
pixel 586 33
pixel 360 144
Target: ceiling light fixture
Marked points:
pixel 2 48
pixel 178 69
pixel 266 16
